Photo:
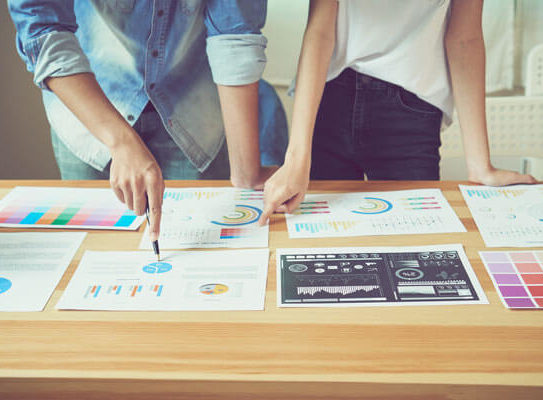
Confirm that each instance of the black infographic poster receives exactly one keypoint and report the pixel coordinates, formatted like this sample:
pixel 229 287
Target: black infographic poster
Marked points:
pixel 344 277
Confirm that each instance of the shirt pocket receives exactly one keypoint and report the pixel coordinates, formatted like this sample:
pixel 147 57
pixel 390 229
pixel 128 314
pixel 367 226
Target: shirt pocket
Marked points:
pixel 189 7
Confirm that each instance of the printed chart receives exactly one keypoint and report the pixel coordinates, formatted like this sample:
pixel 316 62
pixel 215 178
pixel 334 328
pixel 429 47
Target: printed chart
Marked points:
pixel 183 281
pixel 207 218
pixel 65 208
pixel 517 276
pixel 381 276
pixel 511 216
pixel 379 213
pixel 31 265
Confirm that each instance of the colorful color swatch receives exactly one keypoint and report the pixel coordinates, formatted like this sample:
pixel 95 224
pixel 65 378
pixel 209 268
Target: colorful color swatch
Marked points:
pixel 517 276
pixel 67 208
pixel 234 233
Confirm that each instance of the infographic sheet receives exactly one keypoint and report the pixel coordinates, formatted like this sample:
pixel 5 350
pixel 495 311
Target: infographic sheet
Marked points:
pixel 65 208
pixel 510 216
pixel 181 281
pixel 31 266
pixel 373 213
pixel 377 276
pixel 210 218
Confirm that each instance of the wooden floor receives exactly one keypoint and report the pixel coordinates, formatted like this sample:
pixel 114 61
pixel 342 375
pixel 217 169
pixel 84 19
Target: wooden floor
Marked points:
pixel 447 352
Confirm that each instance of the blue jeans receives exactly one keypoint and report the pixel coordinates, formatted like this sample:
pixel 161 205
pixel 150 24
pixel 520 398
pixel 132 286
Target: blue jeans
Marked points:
pixel 366 126
pixel 172 161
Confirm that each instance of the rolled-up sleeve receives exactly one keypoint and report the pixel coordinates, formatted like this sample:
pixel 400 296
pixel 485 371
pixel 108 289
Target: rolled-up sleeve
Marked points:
pixel 46 38
pixel 235 44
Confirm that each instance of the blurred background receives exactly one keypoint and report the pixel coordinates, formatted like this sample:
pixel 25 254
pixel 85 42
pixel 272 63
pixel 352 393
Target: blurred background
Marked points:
pixel 514 43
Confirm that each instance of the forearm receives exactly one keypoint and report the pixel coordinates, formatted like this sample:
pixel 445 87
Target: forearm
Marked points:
pixel 239 106
pixel 317 49
pixel 84 97
pixel 466 58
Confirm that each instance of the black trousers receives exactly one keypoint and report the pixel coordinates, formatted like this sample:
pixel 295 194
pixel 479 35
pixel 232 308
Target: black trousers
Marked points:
pixel 366 126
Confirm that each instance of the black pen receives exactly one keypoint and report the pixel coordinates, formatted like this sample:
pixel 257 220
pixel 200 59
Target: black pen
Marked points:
pixel 154 242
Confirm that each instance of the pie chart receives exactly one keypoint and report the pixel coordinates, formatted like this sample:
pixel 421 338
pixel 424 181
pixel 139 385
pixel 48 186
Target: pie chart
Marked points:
pixel 5 285
pixel 212 289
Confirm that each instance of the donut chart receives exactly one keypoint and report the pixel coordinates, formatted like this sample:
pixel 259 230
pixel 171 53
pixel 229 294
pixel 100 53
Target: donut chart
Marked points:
pixel 212 289
pixel 373 205
pixel 242 215
pixel 5 285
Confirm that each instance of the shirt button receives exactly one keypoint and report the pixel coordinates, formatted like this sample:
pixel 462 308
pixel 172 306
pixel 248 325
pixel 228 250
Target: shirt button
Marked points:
pixel 160 13
pixel 155 53
pixel 152 86
pixel 130 117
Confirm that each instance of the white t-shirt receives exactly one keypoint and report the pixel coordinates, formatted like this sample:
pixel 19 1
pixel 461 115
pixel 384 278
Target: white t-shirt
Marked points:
pixel 398 41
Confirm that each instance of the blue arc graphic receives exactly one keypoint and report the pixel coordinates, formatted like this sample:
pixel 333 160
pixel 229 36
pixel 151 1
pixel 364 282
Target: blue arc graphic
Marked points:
pixel 243 215
pixel 157 268
pixel 380 206
pixel 5 285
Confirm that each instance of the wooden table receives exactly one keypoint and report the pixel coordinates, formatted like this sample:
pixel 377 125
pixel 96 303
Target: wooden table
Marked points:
pixel 448 352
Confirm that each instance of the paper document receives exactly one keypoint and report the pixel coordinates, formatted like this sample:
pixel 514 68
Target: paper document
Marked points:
pixel 510 216
pixel 31 266
pixel 133 281
pixel 402 212
pixel 377 276
pixel 210 217
pixel 517 277
pixel 65 208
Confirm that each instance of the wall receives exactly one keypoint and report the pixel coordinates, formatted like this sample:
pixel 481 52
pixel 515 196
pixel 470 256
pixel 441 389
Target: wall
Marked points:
pixel 25 145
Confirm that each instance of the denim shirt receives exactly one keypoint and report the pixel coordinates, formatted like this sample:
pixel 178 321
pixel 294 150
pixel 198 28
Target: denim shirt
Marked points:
pixel 169 52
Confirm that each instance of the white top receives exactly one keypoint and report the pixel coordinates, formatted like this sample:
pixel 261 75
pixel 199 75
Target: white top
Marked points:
pixel 398 41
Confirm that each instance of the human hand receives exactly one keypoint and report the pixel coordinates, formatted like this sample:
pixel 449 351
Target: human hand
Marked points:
pixel 286 189
pixel 136 179
pixel 499 177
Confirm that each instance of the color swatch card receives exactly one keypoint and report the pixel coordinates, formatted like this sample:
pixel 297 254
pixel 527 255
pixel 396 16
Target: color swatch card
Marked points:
pixel 402 212
pixel 377 276
pixel 517 276
pixel 66 208
pixel 133 281
pixel 31 265
pixel 509 216
pixel 209 218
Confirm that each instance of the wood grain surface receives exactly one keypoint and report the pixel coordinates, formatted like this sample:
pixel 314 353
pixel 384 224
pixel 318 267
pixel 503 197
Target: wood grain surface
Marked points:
pixel 446 352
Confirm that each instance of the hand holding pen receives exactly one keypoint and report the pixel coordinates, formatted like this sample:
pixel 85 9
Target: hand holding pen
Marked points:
pixel 154 240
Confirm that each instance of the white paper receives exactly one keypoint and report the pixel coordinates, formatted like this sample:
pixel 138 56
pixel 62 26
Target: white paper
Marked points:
pixel 510 216
pixel 203 281
pixel 31 266
pixel 385 276
pixel 401 212
pixel 65 208
pixel 210 218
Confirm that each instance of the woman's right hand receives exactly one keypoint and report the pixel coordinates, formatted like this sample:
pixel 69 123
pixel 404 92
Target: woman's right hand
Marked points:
pixel 285 190
pixel 136 179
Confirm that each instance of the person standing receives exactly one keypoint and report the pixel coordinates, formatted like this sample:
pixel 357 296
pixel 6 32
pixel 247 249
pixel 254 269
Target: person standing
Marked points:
pixel 375 79
pixel 130 91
